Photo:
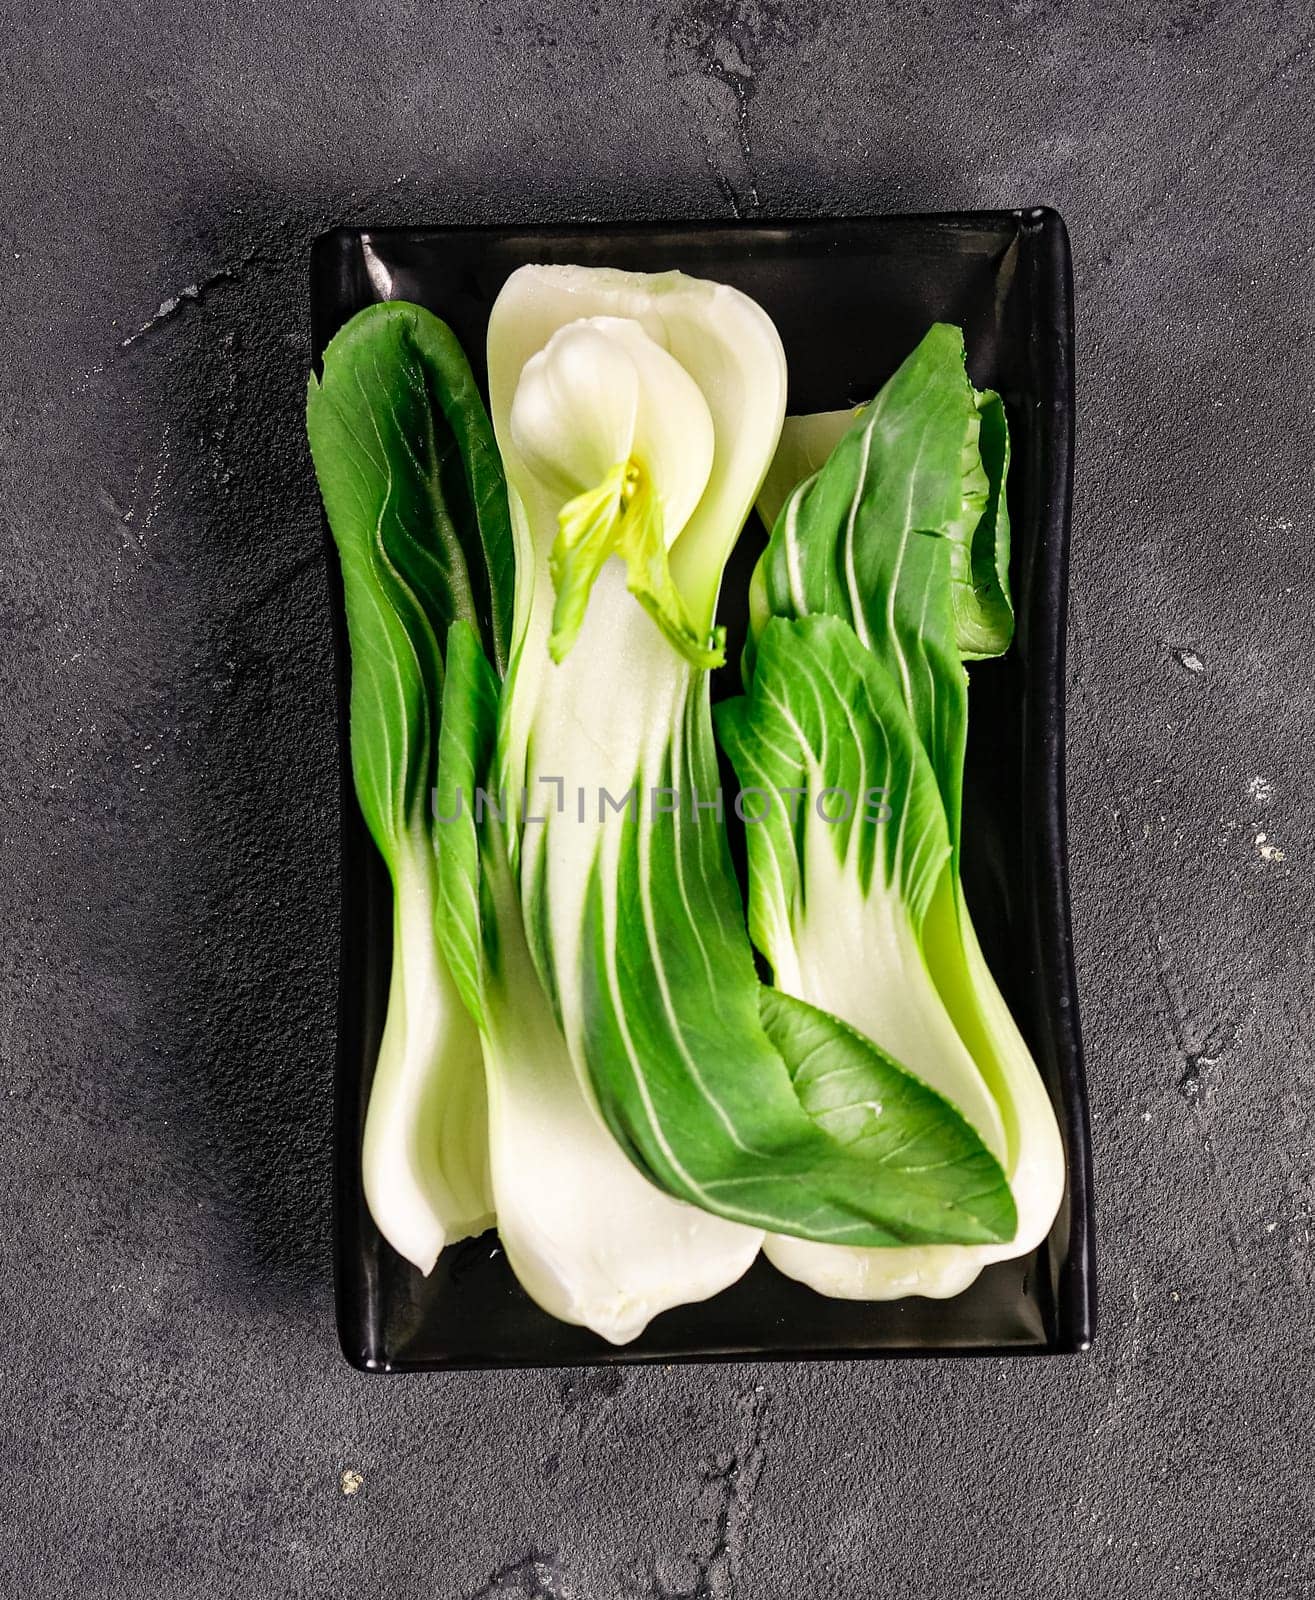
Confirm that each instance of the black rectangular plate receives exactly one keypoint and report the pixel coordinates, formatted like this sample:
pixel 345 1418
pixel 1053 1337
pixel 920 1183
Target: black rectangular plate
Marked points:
pixel 851 297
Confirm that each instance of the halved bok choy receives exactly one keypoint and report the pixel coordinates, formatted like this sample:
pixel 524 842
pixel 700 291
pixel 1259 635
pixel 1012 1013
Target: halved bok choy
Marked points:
pixel 413 488
pixel 886 568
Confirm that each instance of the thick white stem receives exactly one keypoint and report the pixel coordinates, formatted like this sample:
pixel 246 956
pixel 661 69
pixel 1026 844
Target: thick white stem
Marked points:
pixel 424 1159
pixel 1033 1152
pixel 591 1240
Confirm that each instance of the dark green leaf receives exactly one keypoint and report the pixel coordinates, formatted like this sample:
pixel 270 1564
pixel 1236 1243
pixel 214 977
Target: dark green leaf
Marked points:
pixel 413 487
pixel 925 1156
pixel 465 756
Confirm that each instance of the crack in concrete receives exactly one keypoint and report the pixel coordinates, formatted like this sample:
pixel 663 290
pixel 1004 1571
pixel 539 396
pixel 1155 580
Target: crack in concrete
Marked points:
pixel 727 42
pixel 535 1576
pixel 191 294
pixel 132 527
pixel 741 85
pixel 1194 1046
pixel 170 307
pixel 282 581
pixel 732 1482
pixel 589 1389
pixel 587 1395
pixel 723 183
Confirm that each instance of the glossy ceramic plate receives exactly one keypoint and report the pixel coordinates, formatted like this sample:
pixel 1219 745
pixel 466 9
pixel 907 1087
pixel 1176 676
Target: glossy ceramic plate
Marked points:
pixel 851 298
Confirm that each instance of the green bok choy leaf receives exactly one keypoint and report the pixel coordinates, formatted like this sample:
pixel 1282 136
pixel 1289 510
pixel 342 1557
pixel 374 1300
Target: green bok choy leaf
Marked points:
pixel 969 510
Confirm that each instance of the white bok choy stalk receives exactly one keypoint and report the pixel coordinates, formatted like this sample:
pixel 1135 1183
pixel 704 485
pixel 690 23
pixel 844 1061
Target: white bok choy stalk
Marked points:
pixel 896 552
pixel 636 415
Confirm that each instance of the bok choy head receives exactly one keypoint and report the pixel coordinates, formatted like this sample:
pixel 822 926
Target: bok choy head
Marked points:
pixel 886 568
pixel 416 504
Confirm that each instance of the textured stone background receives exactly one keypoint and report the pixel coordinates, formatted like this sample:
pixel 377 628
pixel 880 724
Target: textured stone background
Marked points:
pixel 176 1418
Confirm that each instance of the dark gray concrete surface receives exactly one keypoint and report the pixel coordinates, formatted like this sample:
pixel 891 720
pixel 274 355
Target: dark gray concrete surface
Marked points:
pixel 176 1420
